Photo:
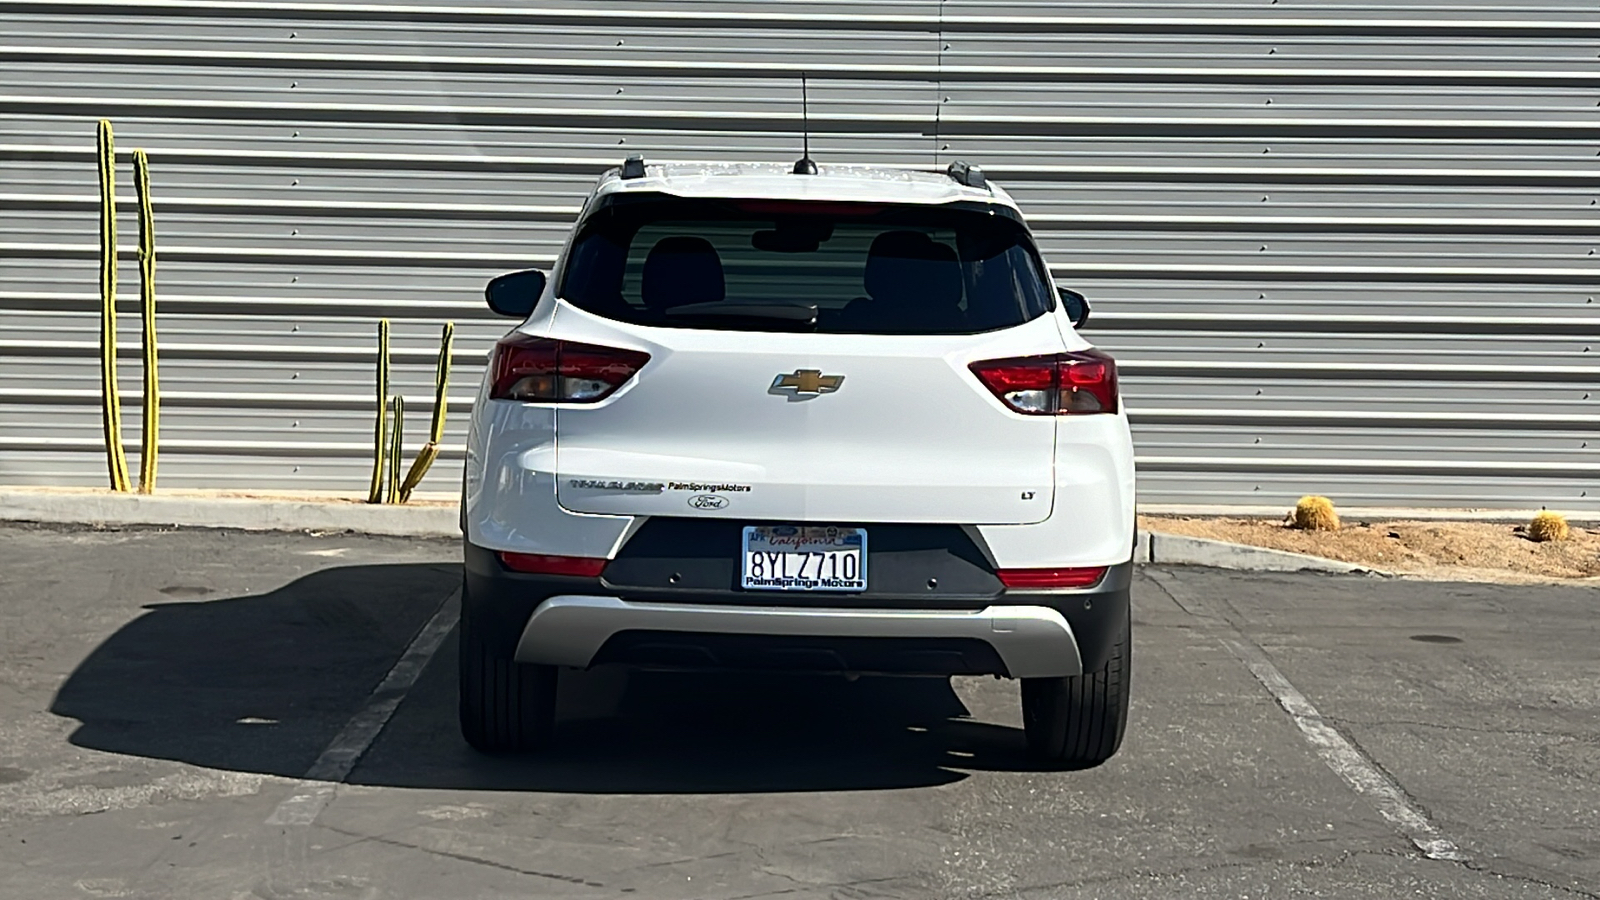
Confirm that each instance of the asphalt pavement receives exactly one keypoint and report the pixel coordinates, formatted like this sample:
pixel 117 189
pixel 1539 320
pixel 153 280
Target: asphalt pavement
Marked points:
pixel 164 695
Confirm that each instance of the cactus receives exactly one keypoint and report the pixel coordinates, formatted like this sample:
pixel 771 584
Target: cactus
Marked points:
pixel 1315 514
pixel 110 398
pixel 430 450
pixel 379 442
pixel 395 446
pixel 1548 526
pixel 151 432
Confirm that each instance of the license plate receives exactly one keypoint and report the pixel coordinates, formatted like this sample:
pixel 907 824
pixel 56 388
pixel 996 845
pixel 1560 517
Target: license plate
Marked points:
pixel 804 558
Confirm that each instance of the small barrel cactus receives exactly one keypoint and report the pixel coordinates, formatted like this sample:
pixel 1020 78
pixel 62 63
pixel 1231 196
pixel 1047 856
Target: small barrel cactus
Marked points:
pixel 1548 526
pixel 1315 514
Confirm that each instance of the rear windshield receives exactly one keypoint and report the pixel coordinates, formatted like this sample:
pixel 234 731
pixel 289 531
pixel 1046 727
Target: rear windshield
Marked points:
pixel 840 268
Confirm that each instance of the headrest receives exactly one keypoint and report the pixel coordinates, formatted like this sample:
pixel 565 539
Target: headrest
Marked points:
pixel 910 267
pixel 682 270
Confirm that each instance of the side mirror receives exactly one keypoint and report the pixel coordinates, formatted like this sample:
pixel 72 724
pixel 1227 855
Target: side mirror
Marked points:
pixel 515 294
pixel 1077 306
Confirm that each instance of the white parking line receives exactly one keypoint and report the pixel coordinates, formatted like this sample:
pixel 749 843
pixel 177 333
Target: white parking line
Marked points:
pixel 1343 757
pixel 316 791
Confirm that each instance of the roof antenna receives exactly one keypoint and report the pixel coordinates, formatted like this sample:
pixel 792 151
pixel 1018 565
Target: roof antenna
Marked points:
pixel 804 165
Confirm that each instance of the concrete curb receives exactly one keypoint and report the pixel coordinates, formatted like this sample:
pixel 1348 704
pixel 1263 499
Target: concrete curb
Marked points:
pixel 106 508
pixel 254 514
pixel 1157 548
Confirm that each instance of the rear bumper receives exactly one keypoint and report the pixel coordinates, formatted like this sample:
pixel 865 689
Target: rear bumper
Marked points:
pixel 581 622
pixel 1027 641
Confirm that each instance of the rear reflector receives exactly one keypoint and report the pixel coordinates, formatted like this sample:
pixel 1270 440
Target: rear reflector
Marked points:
pixel 1061 384
pixel 542 370
pixel 540 564
pixel 1052 578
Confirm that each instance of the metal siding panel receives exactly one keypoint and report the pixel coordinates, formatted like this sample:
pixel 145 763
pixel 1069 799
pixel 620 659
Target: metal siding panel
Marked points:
pixel 1345 248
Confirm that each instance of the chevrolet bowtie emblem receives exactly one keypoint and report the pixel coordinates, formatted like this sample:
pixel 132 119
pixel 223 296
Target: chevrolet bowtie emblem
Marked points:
pixel 809 381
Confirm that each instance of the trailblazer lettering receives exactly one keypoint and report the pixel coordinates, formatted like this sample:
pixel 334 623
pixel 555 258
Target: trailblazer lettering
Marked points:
pixel 641 487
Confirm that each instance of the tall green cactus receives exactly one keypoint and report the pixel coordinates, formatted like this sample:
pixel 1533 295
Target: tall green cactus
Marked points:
pixel 441 402
pixel 379 443
pixel 396 444
pixel 110 398
pixel 150 433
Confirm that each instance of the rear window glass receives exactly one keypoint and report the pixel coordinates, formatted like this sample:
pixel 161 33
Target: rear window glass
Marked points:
pixel 802 266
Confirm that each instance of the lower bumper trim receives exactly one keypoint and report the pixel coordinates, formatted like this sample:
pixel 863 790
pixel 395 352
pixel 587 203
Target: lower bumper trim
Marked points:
pixel 569 630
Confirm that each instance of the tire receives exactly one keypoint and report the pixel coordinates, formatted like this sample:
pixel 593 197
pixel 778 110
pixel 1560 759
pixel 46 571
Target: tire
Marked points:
pixel 506 706
pixel 1077 722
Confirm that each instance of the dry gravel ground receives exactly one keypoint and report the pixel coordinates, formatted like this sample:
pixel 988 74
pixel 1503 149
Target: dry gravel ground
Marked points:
pixel 1456 551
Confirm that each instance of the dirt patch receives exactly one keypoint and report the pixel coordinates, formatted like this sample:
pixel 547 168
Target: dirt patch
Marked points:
pixel 1476 551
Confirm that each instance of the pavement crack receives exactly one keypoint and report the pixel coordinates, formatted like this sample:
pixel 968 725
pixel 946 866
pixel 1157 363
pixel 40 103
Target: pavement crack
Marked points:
pixel 689 859
pixel 1346 856
pixel 806 885
pixel 1405 792
pixel 757 896
pixel 1205 618
pixel 1523 732
pixel 463 857
pixel 1127 875
pixel 1528 879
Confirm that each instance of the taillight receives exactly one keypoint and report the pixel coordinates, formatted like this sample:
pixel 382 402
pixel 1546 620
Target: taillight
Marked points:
pixel 542 370
pixel 1036 579
pixel 542 564
pixel 1061 384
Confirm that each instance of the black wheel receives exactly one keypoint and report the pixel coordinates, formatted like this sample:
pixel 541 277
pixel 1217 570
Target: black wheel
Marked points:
pixel 1077 722
pixel 506 706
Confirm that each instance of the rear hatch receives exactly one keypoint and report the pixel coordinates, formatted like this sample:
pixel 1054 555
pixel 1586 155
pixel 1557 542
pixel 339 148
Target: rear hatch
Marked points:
pixel 806 362
pixel 907 434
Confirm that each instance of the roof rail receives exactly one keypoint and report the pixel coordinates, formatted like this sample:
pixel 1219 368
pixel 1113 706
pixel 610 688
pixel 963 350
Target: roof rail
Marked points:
pixel 971 176
pixel 633 167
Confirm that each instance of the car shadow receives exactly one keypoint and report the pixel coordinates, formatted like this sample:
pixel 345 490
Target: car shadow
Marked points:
pixel 263 683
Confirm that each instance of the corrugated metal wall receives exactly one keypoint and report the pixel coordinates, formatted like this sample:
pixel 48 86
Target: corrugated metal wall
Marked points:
pixel 1340 246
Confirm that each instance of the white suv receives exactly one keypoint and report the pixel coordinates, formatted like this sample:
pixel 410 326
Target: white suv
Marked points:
pixel 835 420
